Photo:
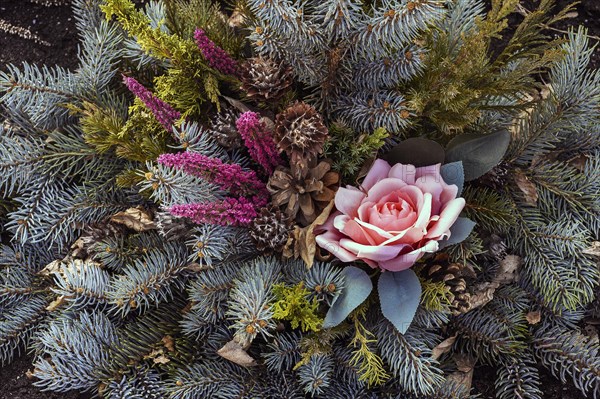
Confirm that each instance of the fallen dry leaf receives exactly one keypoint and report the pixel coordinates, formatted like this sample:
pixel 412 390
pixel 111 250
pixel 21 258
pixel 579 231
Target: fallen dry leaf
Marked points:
pixel 55 304
pixel 169 343
pixel 443 347
pixel 162 359
pixel 579 162
pixel 527 187
pixel 302 242
pixel 507 273
pixel 134 218
pixel 533 317
pixel 51 268
pixel 594 250
pixel 234 352
pixel 464 374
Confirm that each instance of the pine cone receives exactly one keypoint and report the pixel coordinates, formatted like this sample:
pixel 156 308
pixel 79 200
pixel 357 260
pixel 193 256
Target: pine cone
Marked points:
pixel 305 195
pixel 300 132
pixel 451 274
pixel 497 177
pixel 225 130
pixel 265 80
pixel 171 227
pixel 271 229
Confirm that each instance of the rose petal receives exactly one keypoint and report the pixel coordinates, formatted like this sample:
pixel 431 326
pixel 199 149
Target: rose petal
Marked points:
pixel 431 170
pixel 378 171
pixel 405 261
pixel 424 213
pixel 347 200
pixel 406 173
pixel 329 241
pixel 373 252
pixel 383 187
pixel 447 218
pixel 379 235
pixel 353 230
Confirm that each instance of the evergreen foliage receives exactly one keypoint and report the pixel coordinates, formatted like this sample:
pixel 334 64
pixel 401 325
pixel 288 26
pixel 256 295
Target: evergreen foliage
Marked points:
pixel 116 294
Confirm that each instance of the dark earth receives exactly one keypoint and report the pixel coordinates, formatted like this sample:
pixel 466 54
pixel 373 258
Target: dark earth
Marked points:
pixel 54 25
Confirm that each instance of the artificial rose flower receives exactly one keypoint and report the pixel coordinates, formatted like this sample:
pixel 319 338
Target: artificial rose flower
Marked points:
pixel 399 214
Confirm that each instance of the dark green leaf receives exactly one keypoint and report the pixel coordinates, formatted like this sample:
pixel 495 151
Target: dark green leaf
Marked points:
pixel 357 288
pixel 416 151
pixel 399 294
pixel 479 154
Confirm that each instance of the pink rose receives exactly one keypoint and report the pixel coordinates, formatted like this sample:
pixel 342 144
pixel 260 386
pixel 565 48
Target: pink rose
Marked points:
pixel 400 213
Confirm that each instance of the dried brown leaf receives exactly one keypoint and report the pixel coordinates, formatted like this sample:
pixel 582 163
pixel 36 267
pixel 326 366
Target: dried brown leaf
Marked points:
pixel 507 273
pixel 55 304
pixel 51 268
pixel 162 359
pixel 169 343
pixel 443 347
pixel 533 317
pixel 134 218
pixel 527 187
pixel 234 352
pixel 306 238
pixel 593 250
pixel 464 374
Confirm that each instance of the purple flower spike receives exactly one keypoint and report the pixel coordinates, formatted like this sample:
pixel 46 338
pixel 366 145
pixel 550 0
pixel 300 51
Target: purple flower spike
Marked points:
pixel 163 112
pixel 259 141
pixel 229 212
pixel 216 57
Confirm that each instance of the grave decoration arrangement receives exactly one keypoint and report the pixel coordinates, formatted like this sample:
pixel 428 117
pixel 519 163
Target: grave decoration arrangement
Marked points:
pixel 295 199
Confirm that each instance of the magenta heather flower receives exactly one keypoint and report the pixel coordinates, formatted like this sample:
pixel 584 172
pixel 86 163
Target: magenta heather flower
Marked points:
pixel 216 57
pixel 259 141
pixel 229 177
pixel 163 112
pixel 228 212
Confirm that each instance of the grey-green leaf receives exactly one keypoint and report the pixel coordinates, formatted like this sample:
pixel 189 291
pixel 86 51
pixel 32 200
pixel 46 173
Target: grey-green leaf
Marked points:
pixel 399 294
pixel 479 154
pixel 357 288
pixel 454 173
pixel 459 232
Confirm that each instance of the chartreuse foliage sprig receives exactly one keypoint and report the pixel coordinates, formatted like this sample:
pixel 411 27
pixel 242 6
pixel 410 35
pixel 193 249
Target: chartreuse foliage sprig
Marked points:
pixel 293 304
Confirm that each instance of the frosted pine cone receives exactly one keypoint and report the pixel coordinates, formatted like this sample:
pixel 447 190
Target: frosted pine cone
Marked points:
pixel 265 80
pixel 304 196
pixel 300 132
pixel 225 130
pixel 270 230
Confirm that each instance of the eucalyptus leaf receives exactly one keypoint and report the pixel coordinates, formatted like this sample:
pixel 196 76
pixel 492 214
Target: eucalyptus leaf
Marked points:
pixel 454 173
pixel 479 154
pixel 416 151
pixel 400 295
pixel 357 287
pixel 459 232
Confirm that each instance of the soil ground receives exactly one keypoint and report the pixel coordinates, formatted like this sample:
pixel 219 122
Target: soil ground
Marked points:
pixel 55 26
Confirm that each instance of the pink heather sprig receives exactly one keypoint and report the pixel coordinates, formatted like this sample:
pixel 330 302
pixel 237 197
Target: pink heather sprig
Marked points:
pixel 228 212
pixel 163 112
pixel 229 177
pixel 216 57
pixel 258 140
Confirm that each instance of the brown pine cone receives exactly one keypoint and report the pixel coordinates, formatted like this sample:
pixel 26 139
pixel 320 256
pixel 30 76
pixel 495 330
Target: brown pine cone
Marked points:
pixel 300 132
pixel 265 80
pixel 453 275
pixel 271 229
pixel 497 177
pixel 225 130
pixel 304 195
